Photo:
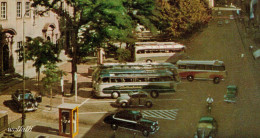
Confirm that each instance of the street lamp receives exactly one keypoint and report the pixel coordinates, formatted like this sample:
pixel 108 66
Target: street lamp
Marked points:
pixel 23 112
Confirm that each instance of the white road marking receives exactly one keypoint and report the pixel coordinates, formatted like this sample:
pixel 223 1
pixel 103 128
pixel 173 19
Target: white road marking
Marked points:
pixel 84 102
pixel 163 114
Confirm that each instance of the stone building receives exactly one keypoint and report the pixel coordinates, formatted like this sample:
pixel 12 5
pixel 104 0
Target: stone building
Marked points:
pixel 21 21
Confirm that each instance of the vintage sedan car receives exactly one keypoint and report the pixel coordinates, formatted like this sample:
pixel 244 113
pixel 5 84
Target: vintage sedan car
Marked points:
pixel 207 128
pixel 31 102
pixel 134 99
pixel 230 97
pixel 132 120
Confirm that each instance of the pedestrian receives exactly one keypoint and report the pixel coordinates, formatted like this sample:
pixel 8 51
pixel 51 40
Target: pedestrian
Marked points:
pixel 209 100
pixel 64 120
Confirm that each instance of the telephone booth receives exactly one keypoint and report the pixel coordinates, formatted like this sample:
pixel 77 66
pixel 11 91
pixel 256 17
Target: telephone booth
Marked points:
pixel 68 120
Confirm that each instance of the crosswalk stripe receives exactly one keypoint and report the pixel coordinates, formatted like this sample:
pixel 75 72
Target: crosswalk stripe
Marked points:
pixel 163 114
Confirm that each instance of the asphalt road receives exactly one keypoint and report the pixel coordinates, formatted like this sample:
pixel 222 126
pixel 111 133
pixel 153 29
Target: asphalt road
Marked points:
pixel 240 119
pixel 182 110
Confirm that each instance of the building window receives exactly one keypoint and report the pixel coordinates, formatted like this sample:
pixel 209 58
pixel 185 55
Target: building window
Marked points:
pixel 27 9
pixel 19 49
pixel 3 10
pixel 19 9
pixel 35 11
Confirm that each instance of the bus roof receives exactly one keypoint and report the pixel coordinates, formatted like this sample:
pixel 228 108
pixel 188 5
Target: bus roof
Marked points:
pixel 136 65
pixel 131 71
pixel 158 45
pixel 138 74
pixel 204 62
pixel 154 43
pixel 175 46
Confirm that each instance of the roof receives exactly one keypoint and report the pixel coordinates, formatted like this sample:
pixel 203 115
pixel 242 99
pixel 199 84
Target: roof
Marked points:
pixel 68 106
pixel 204 62
pixel 136 73
pixel 256 54
pixel 206 119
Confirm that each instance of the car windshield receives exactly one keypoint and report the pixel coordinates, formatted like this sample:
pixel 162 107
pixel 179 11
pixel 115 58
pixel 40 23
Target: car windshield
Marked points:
pixel 202 133
pixel 27 96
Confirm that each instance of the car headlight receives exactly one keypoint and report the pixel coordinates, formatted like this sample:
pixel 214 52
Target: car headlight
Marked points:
pixel 153 128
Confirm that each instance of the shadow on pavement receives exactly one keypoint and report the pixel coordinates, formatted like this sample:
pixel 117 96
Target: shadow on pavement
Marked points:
pixel 11 105
pixel 44 129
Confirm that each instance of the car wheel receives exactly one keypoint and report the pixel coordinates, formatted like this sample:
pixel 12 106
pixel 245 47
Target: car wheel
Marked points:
pixel 190 78
pixel 149 61
pixel 115 95
pixel 145 133
pixel 154 94
pixel 124 104
pixel 216 80
pixel 114 126
pixel 149 104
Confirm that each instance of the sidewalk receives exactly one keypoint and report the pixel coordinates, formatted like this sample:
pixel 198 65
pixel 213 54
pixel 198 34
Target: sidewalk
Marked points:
pixel 44 120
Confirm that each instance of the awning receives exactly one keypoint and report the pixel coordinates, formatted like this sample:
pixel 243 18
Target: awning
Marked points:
pixel 256 54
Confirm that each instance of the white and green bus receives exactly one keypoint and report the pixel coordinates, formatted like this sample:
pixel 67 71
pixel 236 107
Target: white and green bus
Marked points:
pixel 113 85
pixel 126 67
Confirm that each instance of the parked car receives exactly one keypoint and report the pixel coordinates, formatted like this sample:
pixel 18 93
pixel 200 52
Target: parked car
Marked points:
pixel 31 102
pixel 140 98
pixel 207 128
pixel 231 94
pixel 132 120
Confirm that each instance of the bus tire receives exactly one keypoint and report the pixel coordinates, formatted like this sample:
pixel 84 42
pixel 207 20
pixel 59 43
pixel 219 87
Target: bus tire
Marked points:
pixel 149 104
pixel 190 78
pixel 124 104
pixel 115 95
pixel 154 94
pixel 216 80
pixel 149 61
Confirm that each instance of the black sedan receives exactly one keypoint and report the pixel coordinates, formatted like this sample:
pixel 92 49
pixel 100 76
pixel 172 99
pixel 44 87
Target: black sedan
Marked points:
pixel 132 120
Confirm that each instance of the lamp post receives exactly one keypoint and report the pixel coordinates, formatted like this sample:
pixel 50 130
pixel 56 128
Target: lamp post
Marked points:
pixel 23 112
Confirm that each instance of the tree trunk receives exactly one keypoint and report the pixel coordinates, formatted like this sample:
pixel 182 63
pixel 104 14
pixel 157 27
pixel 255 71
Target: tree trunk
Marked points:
pixel 38 79
pixel 51 99
pixel 74 59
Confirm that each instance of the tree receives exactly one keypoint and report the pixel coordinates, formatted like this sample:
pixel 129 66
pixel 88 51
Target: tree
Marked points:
pixel 180 18
pixel 92 23
pixel 52 75
pixel 41 52
pixel 2 43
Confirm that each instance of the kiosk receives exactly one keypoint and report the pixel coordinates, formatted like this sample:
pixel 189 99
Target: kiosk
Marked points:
pixel 68 120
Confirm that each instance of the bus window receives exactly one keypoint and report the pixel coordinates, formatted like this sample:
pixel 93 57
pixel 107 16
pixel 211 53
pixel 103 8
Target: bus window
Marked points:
pixel 113 80
pixel 182 66
pixel 147 51
pixel 220 68
pixel 200 67
pixel 166 79
pixel 208 67
pixel 191 67
pixel 156 51
pixel 153 79
pixel 162 51
pixel 118 80
pixel 140 79
pixel 140 52
pixel 105 80
pixel 128 80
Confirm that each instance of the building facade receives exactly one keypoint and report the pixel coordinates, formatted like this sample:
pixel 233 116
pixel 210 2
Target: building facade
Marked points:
pixel 21 21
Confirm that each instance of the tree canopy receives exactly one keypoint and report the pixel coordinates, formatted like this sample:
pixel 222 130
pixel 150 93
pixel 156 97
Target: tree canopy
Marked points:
pixel 182 17
pixel 91 23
